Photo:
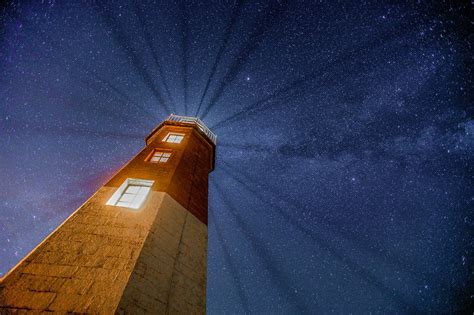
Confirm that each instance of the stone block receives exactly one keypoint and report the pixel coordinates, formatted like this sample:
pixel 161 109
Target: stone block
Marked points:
pixel 50 270
pixel 34 300
pixel 38 283
pixel 76 286
pixel 75 303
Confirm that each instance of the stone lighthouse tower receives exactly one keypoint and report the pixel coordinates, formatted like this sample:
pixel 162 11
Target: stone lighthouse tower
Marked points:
pixel 138 245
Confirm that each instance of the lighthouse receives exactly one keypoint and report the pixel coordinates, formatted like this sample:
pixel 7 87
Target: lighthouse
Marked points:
pixel 138 245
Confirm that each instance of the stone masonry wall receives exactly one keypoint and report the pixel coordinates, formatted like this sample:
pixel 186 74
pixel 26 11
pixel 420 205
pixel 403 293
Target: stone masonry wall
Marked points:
pixel 170 275
pixel 93 262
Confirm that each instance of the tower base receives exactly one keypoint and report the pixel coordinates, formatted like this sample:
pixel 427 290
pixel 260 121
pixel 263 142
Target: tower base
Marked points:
pixel 106 259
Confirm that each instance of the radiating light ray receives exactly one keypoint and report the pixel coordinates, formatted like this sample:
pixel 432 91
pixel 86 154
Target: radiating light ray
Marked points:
pixel 236 10
pixel 123 42
pixel 355 268
pixel 318 75
pixel 185 48
pixel 278 277
pixel 233 269
pixel 331 226
pixel 124 97
pixel 256 39
pixel 154 53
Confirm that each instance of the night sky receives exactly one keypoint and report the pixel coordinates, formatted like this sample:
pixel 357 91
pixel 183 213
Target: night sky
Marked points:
pixel 343 178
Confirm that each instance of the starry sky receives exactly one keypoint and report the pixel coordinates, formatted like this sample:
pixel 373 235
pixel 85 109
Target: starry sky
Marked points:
pixel 343 178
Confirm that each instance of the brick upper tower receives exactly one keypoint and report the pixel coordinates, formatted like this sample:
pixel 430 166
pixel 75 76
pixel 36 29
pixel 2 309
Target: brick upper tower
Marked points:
pixel 139 244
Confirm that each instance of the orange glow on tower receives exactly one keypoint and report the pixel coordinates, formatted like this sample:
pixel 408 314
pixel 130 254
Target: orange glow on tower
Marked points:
pixel 139 244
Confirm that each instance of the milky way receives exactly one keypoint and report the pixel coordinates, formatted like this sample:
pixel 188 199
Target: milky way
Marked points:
pixel 343 179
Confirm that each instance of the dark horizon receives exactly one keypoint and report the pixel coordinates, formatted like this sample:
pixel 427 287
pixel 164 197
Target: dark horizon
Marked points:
pixel 345 139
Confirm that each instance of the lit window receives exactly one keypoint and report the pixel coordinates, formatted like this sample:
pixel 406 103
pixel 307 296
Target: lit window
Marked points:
pixel 174 137
pixel 160 157
pixel 131 194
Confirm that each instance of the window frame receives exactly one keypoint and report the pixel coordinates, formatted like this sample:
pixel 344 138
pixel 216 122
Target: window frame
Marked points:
pixel 121 191
pixel 165 139
pixel 154 151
